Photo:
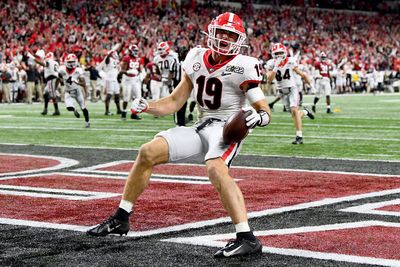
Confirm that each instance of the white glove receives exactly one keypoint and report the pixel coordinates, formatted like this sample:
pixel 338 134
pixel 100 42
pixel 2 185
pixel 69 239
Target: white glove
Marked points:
pixel 139 105
pixel 260 118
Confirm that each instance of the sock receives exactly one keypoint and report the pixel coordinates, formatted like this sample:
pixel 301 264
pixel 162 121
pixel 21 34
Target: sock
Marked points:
pixel 299 133
pixel 305 112
pixel 242 227
pixel 126 205
pixel 86 114
pixel 328 107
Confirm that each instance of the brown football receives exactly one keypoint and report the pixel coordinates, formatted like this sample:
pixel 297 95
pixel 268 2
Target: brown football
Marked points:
pixel 235 128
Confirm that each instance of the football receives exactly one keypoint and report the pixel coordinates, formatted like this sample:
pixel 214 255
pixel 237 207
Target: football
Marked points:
pixel 235 128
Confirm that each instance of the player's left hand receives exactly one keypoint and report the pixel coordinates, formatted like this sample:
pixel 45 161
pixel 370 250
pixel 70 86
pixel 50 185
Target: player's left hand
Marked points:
pixel 260 118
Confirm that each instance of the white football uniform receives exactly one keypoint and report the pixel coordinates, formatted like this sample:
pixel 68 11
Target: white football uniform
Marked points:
pixel 72 89
pixel 218 94
pixel 111 71
pixel 165 65
pixel 286 81
pixel 50 75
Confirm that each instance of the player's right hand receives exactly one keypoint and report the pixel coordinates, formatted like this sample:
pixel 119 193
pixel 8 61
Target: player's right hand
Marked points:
pixel 139 105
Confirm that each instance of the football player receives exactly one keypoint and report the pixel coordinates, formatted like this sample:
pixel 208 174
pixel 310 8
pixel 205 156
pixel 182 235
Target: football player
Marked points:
pixel 51 68
pixel 166 60
pixel 323 83
pixel 110 66
pixel 154 75
pixel 74 80
pixel 131 67
pixel 283 69
pixel 223 79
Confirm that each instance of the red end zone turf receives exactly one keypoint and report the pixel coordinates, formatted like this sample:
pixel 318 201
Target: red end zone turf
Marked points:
pixel 166 204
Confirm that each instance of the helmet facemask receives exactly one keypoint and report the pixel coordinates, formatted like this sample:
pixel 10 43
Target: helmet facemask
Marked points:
pixel 71 64
pixel 279 54
pixel 225 46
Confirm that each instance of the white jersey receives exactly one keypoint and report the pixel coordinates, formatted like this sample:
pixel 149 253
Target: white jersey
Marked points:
pixel 51 69
pixel 217 88
pixel 70 78
pixel 166 64
pixel 285 76
pixel 111 69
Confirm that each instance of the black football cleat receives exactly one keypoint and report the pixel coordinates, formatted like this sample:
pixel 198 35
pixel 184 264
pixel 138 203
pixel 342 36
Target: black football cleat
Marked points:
pixel 56 113
pixel 309 113
pixel 44 112
pixel 135 117
pixel 239 247
pixel 108 113
pixel 298 141
pixel 329 111
pixel 271 106
pixel 123 115
pixel 76 113
pixel 110 226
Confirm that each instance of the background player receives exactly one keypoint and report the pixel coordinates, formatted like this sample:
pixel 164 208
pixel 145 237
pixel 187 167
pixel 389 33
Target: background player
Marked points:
pixel 323 83
pixel 110 66
pixel 131 67
pixel 283 69
pixel 73 77
pixel 51 68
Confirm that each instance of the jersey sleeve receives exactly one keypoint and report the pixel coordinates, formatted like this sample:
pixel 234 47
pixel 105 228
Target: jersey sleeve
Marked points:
pixel 190 60
pixel 252 72
pixel 62 72
pixel 80 72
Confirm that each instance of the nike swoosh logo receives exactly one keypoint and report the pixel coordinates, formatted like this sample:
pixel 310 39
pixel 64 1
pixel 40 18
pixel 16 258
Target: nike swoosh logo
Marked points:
pixel 228 254
pixel 226 73
pixel 112 229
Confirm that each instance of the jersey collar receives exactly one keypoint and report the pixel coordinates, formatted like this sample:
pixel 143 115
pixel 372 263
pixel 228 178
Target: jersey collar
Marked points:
pixel 211 68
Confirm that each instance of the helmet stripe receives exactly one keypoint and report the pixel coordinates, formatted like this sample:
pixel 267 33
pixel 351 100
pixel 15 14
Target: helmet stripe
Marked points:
pixel 230 20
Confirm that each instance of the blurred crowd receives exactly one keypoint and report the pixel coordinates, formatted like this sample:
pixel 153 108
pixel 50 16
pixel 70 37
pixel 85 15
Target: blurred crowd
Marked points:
pixel 366 40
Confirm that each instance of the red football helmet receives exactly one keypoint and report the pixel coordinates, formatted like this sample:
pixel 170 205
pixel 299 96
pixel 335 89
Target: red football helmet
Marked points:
pixel 71 61
pixel 279 51
pixel 133 50
pixel 163 49
pixel 228 26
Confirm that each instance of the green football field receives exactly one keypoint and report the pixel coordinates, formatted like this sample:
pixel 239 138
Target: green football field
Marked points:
pixel 362 127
